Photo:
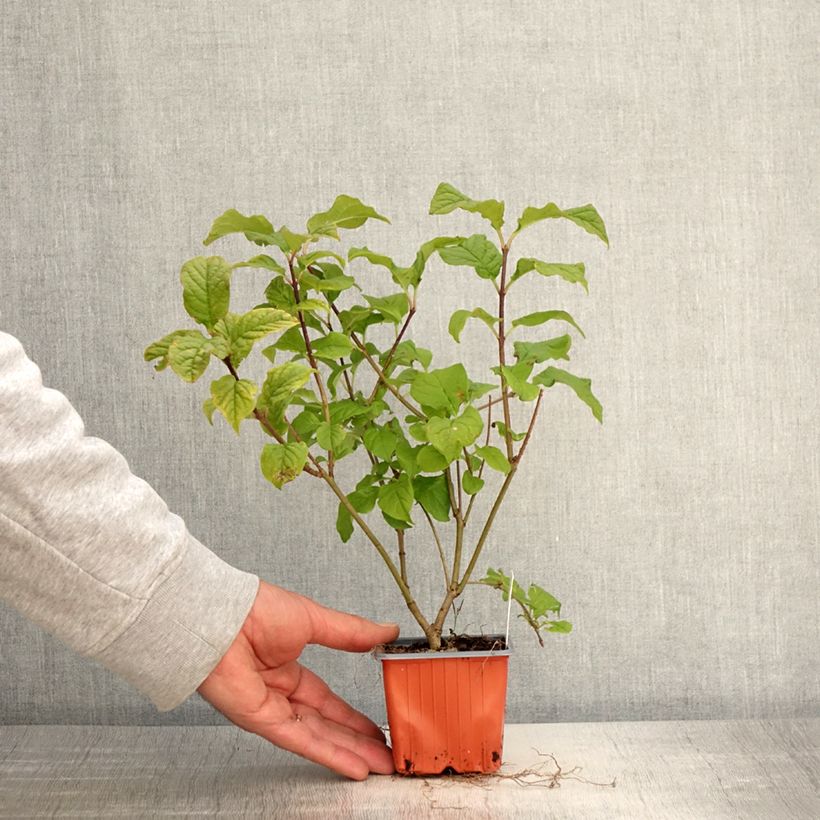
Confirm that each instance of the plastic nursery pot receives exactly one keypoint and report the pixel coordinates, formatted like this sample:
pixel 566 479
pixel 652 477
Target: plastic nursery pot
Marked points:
pixel 446 709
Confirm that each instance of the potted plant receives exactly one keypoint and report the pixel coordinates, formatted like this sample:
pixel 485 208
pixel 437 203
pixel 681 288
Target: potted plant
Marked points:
pixel 420 444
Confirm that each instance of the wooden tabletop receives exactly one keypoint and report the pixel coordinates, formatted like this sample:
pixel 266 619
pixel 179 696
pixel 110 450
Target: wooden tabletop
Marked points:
pixel 682 769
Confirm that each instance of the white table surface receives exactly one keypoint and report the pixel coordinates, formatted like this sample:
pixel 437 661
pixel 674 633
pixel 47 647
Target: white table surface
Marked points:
pixel 682 769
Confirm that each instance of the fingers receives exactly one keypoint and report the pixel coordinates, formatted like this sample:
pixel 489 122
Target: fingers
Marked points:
pixel 315 738
pixel 339 630
pixel 314 692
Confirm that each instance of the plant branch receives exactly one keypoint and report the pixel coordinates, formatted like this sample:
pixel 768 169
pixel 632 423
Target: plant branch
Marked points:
pixel 320 384
pixel 502 353
pixel 416 411
pixel 392 351
pixel 516 460
pixel 481 468
pixel 402 555
pixel 440 549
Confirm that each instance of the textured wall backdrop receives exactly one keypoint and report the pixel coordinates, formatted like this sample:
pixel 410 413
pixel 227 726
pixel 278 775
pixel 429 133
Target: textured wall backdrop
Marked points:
pixel 682 535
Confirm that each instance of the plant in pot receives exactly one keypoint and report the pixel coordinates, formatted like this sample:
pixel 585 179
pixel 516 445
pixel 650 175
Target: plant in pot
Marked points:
pixel 346 383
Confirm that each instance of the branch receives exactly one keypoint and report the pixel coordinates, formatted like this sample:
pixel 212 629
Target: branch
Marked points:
pixel 438 545
pixel 502 353
pixel 392 351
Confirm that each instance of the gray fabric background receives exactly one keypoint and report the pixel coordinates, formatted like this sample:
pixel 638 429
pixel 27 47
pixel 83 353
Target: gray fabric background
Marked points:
pixel 682 535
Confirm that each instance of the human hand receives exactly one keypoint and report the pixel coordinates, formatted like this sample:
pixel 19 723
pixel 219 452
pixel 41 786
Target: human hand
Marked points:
pixel 260 686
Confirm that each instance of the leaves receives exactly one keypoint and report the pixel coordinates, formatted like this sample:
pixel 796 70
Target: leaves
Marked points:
pixel 475 252
pixel 517 376
pixel 447 198
pixel 537 605
pixel 278 388
pixel 394 307
pixel 569 272
pixel 243 330
pixel 431 492
pixel 330 436
pixel 206 288
pixel 586 216
pixel 430 460
pixel 536 352
pixel 471 483
pixel 158 351
pixel 542 316
pixel 282 463
pixel 443 389
pixel 333 345
pixel 582 387
pixel 494 458
pixel 189 356
pixel 346 212
pixel 449 436
pixel 381 441
pixel 344 523
pixel 235 398
pixel 396 498
pixel 460 317
pixel 261 261
pixel 256 228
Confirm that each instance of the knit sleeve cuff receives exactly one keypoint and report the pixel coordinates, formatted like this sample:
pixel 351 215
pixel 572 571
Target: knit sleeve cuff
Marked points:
pixel 184 629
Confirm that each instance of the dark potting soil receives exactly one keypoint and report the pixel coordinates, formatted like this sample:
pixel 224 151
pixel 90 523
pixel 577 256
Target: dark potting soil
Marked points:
pixel 451 643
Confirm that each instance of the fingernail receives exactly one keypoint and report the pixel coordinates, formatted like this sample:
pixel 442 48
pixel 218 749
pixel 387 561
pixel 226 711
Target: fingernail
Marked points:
pixel 390 626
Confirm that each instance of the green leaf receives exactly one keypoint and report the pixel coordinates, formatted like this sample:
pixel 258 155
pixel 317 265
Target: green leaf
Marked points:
pixel 313 257
pixel 431 460
pixel 449 436
pixel 570 273
pixel 381 441
pixel 372 257
pixel 189 356
pixel 394 307
pixel 256 228
pixel 563 627
pixel 502 428
pixel 494 458
pixel 311 305
pixel 208 408
pixel 443 389
pixel 358 318
pixel 235 398
pixel 396 498
pixel 247 328
pixel 541 602
pixel 431 492
pixel 582 387
pixel 542 316
pixel 327 283
pixel 363 498
pixel 305 423
pixel 460 317
pixel 278 388
pixel 261 261
pixel 158 351
pixel 471 483
pixel 293 242
pixel 536 352
pixel 330 436
pixel 475 252
pixel 586 216
pixel 412 275
pixel 282 463
pixel 344 523
pixel 333 345
pixel 407 456
pixel 447 199
pixel 516 377
pixel 206 288
pixel 346 212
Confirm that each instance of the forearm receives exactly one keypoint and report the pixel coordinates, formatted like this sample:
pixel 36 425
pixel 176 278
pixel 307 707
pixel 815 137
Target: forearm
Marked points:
pixel 91 553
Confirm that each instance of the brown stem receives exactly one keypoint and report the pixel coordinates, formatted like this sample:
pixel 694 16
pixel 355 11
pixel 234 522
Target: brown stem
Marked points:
pixel 311 358
pixel 502 353
pixel 402 556
pixel 440 549
pixel 489 403
pixel 392 351
pixel 416 411
pixel 262 418
pixel 516 460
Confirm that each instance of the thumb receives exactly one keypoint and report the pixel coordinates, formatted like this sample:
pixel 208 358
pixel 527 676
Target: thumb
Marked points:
pixel 340 630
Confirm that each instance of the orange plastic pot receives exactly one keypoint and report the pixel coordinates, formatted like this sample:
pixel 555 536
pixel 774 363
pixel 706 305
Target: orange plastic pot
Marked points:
pixel 446 709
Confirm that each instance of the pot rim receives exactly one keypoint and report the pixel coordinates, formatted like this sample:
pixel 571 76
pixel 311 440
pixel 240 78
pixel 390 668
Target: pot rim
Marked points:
pixel 451 654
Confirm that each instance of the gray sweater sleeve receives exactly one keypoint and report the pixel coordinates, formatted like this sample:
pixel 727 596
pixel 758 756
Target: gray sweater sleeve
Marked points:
pixel 92 554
